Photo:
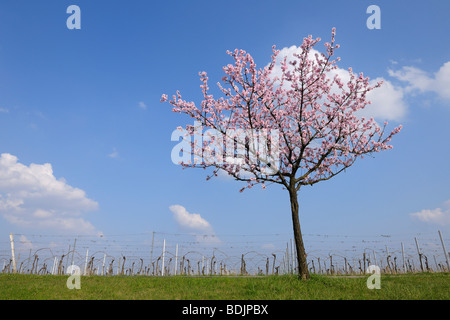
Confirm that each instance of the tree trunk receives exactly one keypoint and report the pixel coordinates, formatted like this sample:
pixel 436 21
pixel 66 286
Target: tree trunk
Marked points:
pixel 302 263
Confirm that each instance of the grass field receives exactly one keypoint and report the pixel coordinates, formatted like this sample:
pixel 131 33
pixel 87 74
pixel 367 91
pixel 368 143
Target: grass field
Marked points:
pixel 424 286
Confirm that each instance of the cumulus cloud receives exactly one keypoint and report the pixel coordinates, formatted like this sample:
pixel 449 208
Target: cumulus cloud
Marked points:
pixel 31 196
pixel 387 101
pixel 189 221
pixel 439 216
pixel 195 224
pixel 420 81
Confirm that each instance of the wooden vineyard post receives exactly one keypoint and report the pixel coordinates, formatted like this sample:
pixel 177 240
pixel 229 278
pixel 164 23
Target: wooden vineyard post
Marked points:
pixel 420 255
pixel 151 252
pixel 54 266
pixel 445 250
pixel 103 266
pixel 375 258
pixel 176 260
pixel 403 256
pixel 11 238
pixel 163 256
pixel 73 250
pixel 388 260
pixel 85 264
pixel 364 262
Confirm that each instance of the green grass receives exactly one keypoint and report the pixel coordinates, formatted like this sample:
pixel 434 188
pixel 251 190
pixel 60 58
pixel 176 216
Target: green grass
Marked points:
pixel 393 287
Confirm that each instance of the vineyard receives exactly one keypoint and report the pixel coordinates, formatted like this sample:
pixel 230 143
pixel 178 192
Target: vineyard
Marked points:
pixel 169 254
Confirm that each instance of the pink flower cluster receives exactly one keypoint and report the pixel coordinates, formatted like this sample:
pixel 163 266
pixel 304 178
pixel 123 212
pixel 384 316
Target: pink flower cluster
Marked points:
pixel 313 110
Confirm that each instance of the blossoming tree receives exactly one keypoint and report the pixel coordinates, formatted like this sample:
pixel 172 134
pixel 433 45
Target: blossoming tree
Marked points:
pixel 312 110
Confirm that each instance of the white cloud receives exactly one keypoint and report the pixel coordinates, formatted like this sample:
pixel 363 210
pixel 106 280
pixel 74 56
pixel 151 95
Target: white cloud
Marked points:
pixel 4 110
pixel 114 154
pixel 442 81
pixel 190 221
pixel 420 81
pixel 39 213
pixel 142 105
pixel 31 196
pixel 440 216
pixel 25 244
pixel 288 52
pixel 417 79
pixel 195 224
pixel 386 101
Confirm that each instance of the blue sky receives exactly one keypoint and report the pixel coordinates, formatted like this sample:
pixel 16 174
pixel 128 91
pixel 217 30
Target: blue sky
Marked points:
pixel 87 103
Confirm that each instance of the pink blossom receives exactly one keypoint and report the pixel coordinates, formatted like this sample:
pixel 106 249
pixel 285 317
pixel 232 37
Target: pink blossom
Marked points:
pixel 320 134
